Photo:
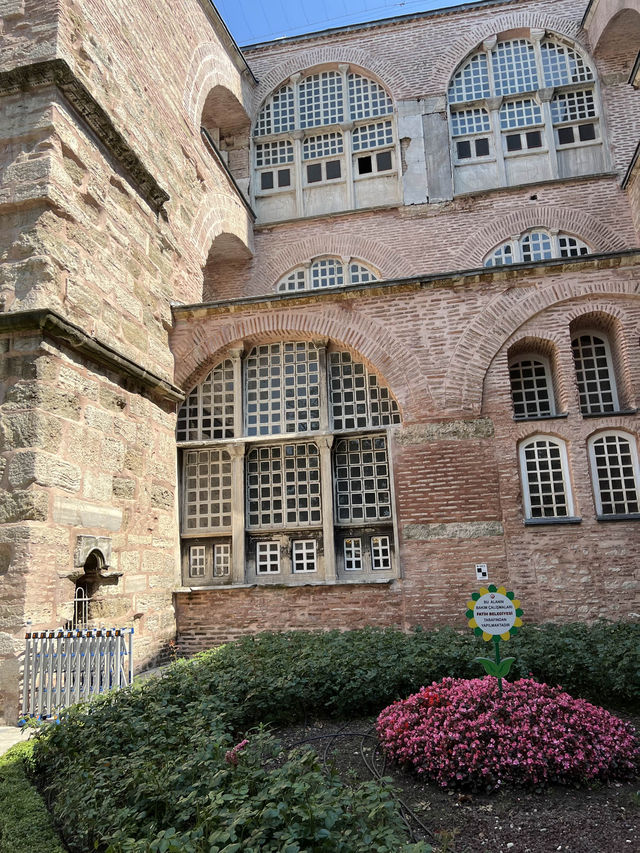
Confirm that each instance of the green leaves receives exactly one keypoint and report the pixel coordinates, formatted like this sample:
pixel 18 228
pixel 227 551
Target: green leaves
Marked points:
pixel 499 670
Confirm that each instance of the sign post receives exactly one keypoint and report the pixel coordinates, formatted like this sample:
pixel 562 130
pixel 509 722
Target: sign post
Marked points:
pixel 494 614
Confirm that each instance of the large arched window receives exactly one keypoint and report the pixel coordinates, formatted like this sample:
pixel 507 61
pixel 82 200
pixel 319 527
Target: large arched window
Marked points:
pixel 286 472
pixel 531 386
pixel 595 374
pixel 326 272
pixel 519 108
pixel 537 244
pixel 546 486
pixel 324 142
pixel 614 470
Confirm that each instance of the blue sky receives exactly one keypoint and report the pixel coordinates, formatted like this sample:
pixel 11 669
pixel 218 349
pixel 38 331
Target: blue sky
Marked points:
pixel 251 21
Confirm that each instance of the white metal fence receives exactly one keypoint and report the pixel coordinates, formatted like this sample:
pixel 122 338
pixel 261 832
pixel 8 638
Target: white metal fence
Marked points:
pixel 62 667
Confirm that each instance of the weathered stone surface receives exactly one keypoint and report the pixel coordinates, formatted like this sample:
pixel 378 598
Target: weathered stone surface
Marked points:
pixel 30 466
pixel 454 530
pixel 123 487
pixel 30 429
pixel 78 513
pixel 24 506
pixel 455 430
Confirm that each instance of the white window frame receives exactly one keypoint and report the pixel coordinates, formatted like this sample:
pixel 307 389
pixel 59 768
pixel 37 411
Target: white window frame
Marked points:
pixel 304 274
pixel 633 447
pixel 566 479
pixel 544 360
pixel 267 549
pixel 197 561
pixel 604 337
pixel 381 552
pixel 304 552
pixel 352 552
pixel 517 254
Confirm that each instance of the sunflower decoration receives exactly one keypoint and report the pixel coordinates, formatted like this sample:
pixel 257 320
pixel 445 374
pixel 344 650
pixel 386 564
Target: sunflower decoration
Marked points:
pixel 494 612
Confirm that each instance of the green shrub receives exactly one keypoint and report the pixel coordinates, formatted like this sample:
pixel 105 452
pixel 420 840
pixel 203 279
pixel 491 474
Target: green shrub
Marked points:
pixel 25 823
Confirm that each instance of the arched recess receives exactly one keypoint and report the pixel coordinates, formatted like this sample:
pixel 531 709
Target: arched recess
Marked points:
pixel 614 30
pixel 573 221
pixel 220 213
pixel 211 68
pixel 487 334
pixel 228 261
pixel 200 345
pixel 540 348
pixel 226 126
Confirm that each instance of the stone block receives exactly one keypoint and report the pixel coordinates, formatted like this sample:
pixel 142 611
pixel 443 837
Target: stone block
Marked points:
pixel 452 530
pixel 113 455
pixel 29 505
pixel 30 429
pixel 135 583
pixel 123 487
pixel 161 497
pixel 129 561
pixel 30 466
pixel 79 513
pixel 98 418
pixel 97 486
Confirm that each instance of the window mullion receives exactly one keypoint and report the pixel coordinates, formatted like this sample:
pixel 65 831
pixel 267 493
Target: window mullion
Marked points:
pixel 325 443
pixel 236 451
pixel 299 170
pixel 516 242
pixel 493 107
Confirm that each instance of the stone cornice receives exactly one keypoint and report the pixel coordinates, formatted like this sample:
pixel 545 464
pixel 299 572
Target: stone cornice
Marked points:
pixel 513 275
pixel 56 72
pixel 52 325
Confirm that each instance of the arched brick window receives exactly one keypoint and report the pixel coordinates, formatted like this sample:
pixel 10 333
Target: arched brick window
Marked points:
pixel 544 470
pixel 531 386
pixel 595 374
pixel 615 474
pixel 326 272
pixel 536 244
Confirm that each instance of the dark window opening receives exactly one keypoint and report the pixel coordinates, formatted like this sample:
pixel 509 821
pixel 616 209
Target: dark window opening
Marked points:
pixel 333 169
pixel 586 132
pixel 464 149
pixel 266 180
pixel 514 142
pixel 284 177
pixel 534 139
pixel 365 165
pixel 383 161
pixel 565 135
pixel 314 173
pixel 482 147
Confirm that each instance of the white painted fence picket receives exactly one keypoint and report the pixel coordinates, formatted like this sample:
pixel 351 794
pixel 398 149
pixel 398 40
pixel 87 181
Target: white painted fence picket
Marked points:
pixel 62 667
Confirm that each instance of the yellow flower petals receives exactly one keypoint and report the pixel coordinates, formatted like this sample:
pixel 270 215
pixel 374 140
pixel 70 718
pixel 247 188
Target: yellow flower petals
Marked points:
pixel 505 637
pixel 502 590
pixel 473 623
pixel 486 637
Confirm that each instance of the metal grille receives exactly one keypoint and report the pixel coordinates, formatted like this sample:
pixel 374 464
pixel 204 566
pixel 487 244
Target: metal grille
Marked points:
pixel 594 374
pixel 615 475
pixel 207 492
pixel 522 113
pixel 573 106
pixel 283 486
pixel 502 256
pixel 267 558
pixel 367 98
pixel 327 272
pixel 353 555
pixel 372 136
pixel 357 399
pixel 278 114
pixel 514 67
pixel 323 145
pixel 536 246
pixel 362 484
pixel 282 389
pixel 321 99
pixel 197 561
pixel 380 553
pixel 472 81
pixel 303 555
pixel 208 411
pixel 221 559
pixel 544 479
pixel 562 65
pixel 274 153
pixel 570 247
pixel 465 122
pixel 530 389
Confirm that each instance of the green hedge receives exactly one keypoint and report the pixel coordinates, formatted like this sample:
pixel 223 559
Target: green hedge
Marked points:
pixel 147 769
pixel 25 824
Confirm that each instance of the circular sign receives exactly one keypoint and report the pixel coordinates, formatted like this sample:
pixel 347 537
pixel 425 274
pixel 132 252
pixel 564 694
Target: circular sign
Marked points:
pixel 494 613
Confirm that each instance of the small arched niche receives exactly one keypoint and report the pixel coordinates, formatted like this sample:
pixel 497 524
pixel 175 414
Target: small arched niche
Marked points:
pixel 225 125
pixel 226 268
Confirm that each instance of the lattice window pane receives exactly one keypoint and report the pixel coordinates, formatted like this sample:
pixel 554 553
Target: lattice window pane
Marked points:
pixel 545 479
pixel 380 553
pixel 278 114
pixel 294 281
pixel 372 136
pixel 384 409
pixel 321 99
pixel 327 272
pixel 570 247
pixel 207 412
pixel 562 65
pixel 353 555
pixel 267 558
pixel 466 122
pixel 197 561
pixel 221 560
pixel 361 476
pixel 283 486
pixel 323 145
pixel 348 391
pixel 615 474
pixel 207 489
pixel 282 389
pixel 303 556
pixel 522 113
pixel 359 274
pixel 573 106
pixel 594 375
pixel 471 82
pixel 514 67
pixel 531 390
pixel 536 246
pixel 274 153
pixel 367 99
pixel 502 256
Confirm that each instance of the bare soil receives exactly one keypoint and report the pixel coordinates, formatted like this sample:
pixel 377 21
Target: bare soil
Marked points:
pixel 602 819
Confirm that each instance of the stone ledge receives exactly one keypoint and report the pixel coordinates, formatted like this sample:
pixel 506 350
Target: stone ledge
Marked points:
pixel 452 530
pixel 453 430
pixel 56 72
pixel 53 325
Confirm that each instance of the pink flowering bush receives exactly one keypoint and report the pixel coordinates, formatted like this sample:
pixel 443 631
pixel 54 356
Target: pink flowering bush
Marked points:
pixel 464 734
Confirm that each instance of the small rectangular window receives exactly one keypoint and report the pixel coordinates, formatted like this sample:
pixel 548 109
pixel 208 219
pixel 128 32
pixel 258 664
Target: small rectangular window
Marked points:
pixel 333 169
pixel 221 560
pixel 284 177
pixel 565 135
pixel 197 561
pixel 464 149
pixel 514 142
pixel 586 132
pixel 482 147
pixel 365 165
pixel 267 558
pixel 380 553
pixel 383 161
pixel 534 139
pixel 353 555
pixel 303 555
pixel 314 173
pixel 266 180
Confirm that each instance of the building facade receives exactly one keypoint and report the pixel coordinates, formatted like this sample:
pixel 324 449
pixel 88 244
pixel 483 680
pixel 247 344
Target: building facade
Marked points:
pixel 317 333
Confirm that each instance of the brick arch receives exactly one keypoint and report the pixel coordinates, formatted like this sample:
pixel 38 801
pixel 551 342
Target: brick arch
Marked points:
pixel 607 17
pixel 388 75
pixel 219 213
pixel 487 334
pixel 451 57
pixel 199 345
pixel 571 220
pixel 391 264
pixel 209 67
